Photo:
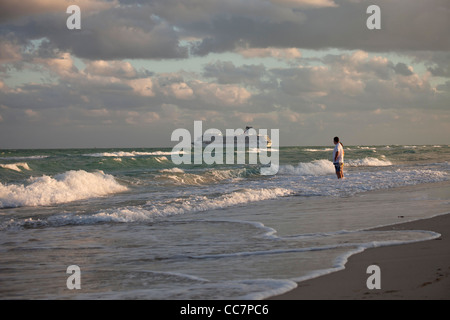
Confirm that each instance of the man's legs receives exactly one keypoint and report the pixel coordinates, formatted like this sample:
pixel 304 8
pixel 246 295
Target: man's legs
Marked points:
pixel 339 170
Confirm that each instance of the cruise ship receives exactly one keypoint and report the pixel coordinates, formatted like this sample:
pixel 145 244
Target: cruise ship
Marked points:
pixel 247 139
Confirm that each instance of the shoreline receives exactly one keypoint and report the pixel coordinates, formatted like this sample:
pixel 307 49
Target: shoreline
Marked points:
pixel 412 271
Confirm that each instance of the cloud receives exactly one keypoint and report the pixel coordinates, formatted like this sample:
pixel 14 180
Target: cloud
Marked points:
pixel 168 29
pixel 342 26
pixel 62 65
pixel 278 53
pixel 351 81
pixel 112 33
pixel 306 3
pixel 224 94
pixel 438 62
pixel 340 82
pixel 119 69
pixel 60 80
pixel 403 69
pixel 143 87
pixel 180 90
pixel 227 73
pixel 31 114
pixel 9 51
pixel 12 9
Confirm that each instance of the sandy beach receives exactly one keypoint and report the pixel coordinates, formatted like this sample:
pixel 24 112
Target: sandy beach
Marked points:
pixel 415 271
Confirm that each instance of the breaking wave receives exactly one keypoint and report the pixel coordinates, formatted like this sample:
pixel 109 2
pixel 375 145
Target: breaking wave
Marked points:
pixel 179 176
pixel 62 188
pixel 317 167
pixel 324 167
pixel 128 154
pixel 190 205
pixel 151 211
pixel 368 162
pixel 16 166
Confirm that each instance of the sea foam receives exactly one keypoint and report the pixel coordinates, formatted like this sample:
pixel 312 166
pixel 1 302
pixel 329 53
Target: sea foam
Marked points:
pixel 368 162
pixel 325 167
pixel 180 177
pixel 190 205
pixel 172 170
pixel 152 211
pixel 65 187
pixel 128 154
pixel 16 166
pixel 314 168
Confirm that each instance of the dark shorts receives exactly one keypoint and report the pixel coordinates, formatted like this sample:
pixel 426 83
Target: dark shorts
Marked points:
pixel 338 167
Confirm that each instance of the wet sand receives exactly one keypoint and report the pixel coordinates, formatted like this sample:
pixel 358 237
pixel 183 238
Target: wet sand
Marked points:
pixel 415 271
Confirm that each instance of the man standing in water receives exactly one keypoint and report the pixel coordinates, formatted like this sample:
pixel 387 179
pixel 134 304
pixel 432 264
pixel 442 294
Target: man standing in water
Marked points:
pixel 338 158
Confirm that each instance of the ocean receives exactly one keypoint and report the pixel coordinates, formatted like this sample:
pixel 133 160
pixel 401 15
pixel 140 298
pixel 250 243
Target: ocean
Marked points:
pixel 140 227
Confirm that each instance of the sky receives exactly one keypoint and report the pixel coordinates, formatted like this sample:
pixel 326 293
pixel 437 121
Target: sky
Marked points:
pixel 137 70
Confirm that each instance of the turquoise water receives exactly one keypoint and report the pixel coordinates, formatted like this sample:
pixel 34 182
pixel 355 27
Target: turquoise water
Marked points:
pixel 139 226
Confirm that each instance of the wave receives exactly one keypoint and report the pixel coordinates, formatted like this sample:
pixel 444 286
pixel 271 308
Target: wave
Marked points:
pixel 15 166
pixel 24 157
pixel 152 211
pixel 366 148
pixel 368 162
pixel 129 154
pixel 172 170
pixel 314 168
pixel 62 188
pixel 324 167
pixel 190 205
pixel 161 159
pixel 319 150
pixel 179 176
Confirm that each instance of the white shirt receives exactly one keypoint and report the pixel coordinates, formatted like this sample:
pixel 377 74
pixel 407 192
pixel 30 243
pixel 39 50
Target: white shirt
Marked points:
pixel 338 148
